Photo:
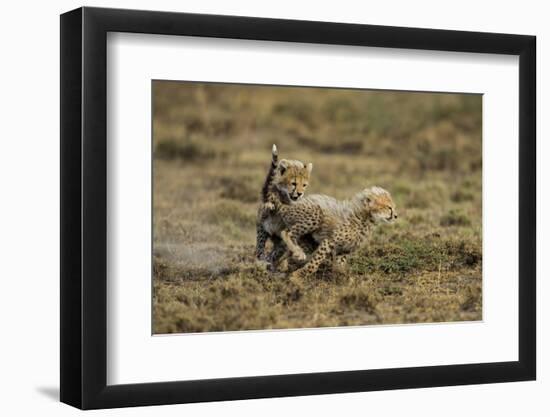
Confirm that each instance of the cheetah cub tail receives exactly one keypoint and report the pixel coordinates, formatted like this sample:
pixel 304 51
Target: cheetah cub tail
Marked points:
pixel 271 173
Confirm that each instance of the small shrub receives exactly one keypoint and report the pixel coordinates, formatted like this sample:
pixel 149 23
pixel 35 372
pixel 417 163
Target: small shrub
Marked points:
pixel 229 211
pixel 419 199
pixel 336 145
pixel 359 298
pixel 471 300
pixel 188 150
pixel 455 218
pixel 340 110
pixel 416 219
pixel 299 110
pixel 238 188
pixel 460 196
pixel 426 196
pixel 436 157
pixel 401 188
pixel 463 253
pixel 389 290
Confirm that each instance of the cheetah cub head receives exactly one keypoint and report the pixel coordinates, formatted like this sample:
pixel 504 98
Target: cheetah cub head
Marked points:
pixel 380 205
pixel 292 178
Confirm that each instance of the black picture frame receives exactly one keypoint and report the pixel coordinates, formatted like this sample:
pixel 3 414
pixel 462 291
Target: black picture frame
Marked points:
pixel 84 207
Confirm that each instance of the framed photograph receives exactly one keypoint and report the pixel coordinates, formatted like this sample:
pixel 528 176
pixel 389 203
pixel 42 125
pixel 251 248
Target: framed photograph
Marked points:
pixel 259 208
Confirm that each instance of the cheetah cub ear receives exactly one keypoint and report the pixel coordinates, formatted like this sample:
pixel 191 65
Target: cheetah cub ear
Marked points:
pixel 370 195
pixel 309 168
pixel 367 200
pixel 367 196
pixel 282 166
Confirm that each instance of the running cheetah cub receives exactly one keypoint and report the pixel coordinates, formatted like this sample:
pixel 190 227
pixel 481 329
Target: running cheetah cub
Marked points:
pixel 285 183
pixel 339 227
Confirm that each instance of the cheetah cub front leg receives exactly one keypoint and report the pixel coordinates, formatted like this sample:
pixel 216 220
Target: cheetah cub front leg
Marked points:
pixel 323 252
pixel 292 245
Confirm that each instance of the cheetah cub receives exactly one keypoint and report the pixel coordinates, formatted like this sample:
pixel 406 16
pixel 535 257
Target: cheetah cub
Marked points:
pixel 285 183
pixel 339 227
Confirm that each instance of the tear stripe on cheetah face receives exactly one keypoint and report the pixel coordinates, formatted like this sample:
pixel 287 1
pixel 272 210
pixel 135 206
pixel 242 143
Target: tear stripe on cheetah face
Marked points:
pixel 292 178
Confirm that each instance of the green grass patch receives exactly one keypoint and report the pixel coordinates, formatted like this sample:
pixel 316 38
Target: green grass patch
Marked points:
pixel 417 255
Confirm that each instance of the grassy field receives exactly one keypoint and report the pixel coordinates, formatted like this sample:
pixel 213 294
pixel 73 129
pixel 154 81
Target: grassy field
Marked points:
pixel 211 152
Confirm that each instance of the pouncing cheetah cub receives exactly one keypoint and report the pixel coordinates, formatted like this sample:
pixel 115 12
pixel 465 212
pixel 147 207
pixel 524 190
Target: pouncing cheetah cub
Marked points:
pixel 285 183
pixel 339 227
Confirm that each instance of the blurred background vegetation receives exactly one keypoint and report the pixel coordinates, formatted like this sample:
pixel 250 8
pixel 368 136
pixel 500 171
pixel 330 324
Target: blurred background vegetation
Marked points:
pixel 212 146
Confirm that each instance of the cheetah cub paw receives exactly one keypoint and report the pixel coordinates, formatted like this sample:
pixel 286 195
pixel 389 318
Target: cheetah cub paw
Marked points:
pixel 299 254
pixel 262 264
pixel 297 276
